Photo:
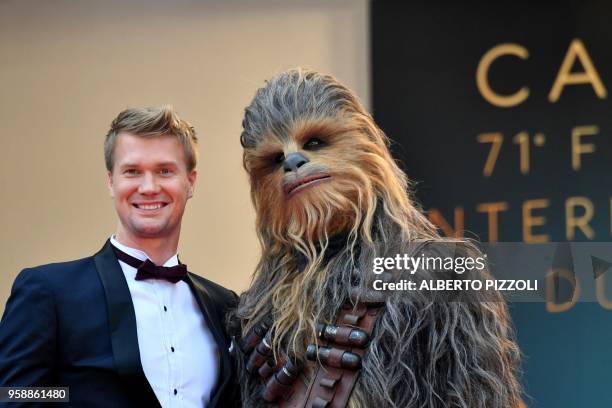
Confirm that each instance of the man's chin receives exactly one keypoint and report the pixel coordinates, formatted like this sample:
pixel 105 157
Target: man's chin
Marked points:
pixel 150 230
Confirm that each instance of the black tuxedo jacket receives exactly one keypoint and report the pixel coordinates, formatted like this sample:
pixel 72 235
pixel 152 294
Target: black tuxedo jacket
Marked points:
pixel 73 324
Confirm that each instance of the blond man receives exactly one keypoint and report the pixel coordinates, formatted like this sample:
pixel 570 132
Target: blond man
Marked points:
pixel 128 326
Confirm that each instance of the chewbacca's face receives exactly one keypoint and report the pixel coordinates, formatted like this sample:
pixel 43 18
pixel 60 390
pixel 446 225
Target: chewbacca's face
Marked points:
pixel 311 181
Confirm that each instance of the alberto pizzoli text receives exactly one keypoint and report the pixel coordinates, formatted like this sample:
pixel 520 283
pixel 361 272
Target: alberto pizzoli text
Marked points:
pixel 458 285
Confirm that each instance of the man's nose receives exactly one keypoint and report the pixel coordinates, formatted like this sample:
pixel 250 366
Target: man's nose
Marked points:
pixel 148 184
pixel 294 161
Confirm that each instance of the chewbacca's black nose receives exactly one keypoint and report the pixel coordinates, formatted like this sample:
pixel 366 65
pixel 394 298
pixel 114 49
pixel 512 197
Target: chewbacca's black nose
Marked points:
pixel 294 161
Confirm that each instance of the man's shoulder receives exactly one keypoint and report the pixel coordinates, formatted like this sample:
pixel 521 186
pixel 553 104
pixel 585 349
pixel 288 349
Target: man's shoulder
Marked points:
pixel 57 270
pixel 50 281
pixel 64 266
pixel 220 293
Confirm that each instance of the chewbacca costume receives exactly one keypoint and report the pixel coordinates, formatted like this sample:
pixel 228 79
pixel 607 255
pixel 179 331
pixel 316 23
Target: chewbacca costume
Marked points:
pixel 329 199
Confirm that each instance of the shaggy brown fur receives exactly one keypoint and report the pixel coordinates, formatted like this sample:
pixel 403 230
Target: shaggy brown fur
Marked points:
pixel 424 352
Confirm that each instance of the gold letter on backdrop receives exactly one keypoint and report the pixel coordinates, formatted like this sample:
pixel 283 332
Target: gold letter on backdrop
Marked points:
pixel 438 220
pixel 567 77
pixel 529 221
pixel 600 292
pixel 581 148
pixel 551 305
pixel 492 209
pixel 482 80
pixel 582 222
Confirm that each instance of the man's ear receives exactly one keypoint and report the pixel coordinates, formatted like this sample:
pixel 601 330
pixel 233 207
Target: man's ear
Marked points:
pixel 109 183
pixel 192 179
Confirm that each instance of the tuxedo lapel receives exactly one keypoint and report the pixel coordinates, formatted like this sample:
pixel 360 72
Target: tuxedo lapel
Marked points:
pixel 209 307
pixel 122 324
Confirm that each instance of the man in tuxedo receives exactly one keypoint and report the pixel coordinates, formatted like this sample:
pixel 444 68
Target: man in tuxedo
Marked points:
pixel 128 326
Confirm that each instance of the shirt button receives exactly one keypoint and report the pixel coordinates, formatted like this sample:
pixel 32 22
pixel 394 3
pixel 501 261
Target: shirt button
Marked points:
pixel 175 391
pixel 165 309
pixel 172 348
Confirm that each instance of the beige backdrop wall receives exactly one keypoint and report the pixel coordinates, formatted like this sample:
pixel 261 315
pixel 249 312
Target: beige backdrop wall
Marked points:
pixel 68 67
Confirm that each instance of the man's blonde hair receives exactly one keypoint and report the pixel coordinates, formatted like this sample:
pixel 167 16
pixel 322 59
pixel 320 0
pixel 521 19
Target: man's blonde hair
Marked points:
pixel 151 122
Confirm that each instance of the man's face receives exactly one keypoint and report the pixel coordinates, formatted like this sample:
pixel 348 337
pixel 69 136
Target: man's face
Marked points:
pixel 150 186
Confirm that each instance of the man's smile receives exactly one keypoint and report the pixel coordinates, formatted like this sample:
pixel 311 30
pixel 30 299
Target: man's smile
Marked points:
pixel 150 206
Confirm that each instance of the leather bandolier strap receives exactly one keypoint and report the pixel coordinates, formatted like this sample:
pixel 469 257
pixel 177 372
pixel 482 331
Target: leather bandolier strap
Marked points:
pixel 340 356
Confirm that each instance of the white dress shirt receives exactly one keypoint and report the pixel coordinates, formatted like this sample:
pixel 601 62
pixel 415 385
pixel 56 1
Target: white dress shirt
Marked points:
pixel 178 353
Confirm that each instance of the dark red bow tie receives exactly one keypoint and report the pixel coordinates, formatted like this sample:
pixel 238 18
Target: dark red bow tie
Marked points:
pixel 148 270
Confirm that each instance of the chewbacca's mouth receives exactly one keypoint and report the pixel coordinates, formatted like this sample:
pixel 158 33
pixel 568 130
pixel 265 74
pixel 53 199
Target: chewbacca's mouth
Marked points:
pixel 302 184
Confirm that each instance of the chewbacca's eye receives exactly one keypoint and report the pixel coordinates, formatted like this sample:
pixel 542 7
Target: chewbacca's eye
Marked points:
pixel 279 158
pixel 313 144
